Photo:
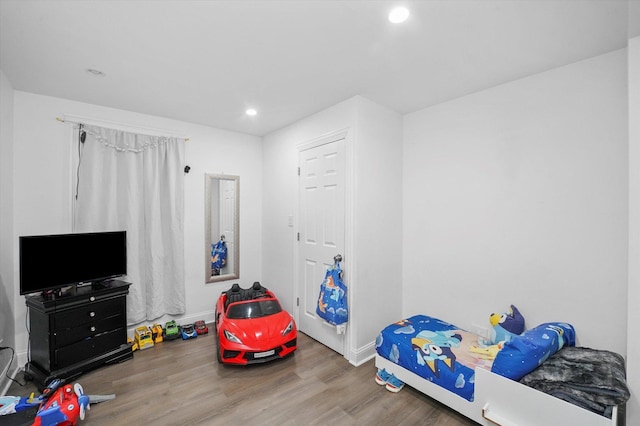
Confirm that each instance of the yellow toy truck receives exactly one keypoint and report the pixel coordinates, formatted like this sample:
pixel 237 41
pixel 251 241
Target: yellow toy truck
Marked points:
pixel 156 330
pixel 143 337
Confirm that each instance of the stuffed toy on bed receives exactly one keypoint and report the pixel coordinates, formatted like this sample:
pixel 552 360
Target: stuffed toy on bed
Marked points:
pixel 506 325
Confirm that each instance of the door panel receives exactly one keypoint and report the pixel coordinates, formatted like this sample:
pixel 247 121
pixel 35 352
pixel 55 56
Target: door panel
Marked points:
pixel 322 232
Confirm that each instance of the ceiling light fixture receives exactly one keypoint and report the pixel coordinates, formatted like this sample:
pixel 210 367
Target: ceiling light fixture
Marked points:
pixel 398 15
pixel 251 112
pixel 95 72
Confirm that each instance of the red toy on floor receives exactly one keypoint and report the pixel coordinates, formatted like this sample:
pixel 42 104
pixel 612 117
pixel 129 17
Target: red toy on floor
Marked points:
pixel 201 327
pixel 252 327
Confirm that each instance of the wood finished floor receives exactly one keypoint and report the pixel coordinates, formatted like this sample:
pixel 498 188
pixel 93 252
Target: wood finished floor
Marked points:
pixel 181 383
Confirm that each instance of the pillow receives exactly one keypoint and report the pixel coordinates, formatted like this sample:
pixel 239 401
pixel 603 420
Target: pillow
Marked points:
pixel 524 353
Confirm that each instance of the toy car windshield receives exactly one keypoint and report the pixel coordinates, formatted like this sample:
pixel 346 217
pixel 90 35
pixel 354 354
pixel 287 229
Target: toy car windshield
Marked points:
pixel 256 309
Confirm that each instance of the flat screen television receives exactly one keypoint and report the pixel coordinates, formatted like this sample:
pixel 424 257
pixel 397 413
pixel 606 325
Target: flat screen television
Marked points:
pixel 50 262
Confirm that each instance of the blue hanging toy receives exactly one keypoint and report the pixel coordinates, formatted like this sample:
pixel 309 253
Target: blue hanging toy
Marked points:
pixel 218 256
pixel 332 302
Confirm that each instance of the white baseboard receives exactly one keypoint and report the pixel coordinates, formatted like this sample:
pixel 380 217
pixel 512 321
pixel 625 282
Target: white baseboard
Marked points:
pixel 363 354
pixel 206 316
pixel 5 383
pixel 19 361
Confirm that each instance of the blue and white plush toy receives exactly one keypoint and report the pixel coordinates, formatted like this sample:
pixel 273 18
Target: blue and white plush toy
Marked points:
pixel 505 325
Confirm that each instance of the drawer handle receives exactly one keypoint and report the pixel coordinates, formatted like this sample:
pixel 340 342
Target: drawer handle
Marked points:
pixel 92 328
pixel 92 314
pixel 92 299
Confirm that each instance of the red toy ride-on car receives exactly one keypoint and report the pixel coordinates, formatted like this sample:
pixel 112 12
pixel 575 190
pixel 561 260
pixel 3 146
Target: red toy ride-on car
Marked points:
pixel 252 327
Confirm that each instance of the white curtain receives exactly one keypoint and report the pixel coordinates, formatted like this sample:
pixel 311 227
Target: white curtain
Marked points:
pixel 132 182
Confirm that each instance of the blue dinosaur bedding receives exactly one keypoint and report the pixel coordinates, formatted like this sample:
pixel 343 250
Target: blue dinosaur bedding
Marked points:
pixel 447 355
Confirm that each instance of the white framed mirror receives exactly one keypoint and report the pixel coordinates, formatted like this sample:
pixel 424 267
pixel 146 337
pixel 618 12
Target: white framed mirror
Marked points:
pixel 222 227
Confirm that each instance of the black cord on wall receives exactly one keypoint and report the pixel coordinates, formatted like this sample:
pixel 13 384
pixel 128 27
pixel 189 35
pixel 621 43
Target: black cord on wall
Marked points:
pixel 13 353
pixel 82 136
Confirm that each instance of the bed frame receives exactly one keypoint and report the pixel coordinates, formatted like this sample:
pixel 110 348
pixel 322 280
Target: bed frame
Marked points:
pixel 502 401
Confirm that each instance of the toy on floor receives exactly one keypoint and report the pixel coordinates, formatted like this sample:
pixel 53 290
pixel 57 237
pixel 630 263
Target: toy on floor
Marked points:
pixel 251 327
pixel 157 332
pixel 201 327
pixel 143 337
pixel 8 404
pixel 187 331
pixel 171 330
pixel 58 405
pixel 388 380
pixel 64 407
pixel 133 344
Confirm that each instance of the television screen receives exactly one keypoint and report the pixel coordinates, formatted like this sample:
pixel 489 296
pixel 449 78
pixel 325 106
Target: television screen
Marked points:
pixel 53 261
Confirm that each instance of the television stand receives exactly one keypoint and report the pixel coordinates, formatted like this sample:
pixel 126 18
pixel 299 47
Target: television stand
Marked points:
pixel 58 293
pixel 79 332
pixel 99 285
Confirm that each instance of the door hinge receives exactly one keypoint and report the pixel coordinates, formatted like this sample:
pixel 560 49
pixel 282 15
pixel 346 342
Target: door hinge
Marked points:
pixel 297 301
pixel 298 236
pixel 298 170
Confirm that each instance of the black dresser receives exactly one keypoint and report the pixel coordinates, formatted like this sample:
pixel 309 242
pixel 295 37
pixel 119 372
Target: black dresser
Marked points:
pixel 77 332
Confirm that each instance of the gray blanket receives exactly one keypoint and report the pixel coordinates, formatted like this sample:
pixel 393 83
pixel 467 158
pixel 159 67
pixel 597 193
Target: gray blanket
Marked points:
pixel 592 379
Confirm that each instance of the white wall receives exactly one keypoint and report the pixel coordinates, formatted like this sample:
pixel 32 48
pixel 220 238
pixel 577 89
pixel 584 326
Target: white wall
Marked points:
pixel 7 291
pixel 518 194
pixel 43 187
pixel 280 183
pixel 633 331
pixel 377 222
pixel 374 232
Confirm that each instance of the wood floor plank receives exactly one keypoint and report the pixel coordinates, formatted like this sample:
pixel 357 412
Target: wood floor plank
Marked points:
pixel 181 383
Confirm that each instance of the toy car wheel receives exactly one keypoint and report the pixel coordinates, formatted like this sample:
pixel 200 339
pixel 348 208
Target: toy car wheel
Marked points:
pixel 218 355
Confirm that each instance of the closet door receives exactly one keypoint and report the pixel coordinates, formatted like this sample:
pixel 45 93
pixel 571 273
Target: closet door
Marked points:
pixel 321 209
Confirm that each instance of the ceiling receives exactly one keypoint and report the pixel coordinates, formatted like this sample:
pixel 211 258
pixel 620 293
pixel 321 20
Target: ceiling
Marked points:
pixel 206 62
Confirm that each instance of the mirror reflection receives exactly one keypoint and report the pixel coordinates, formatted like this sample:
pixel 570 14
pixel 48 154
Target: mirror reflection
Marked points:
pixel 221 227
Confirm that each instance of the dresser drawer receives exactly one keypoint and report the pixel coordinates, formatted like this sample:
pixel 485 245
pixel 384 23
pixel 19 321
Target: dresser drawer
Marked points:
pixel 78 332
pixel 90 347
pixel 88 313
pixel 67 336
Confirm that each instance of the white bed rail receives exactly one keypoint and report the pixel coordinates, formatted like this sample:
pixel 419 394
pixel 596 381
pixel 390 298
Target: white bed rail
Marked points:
pixel 504 402
pixel 494 418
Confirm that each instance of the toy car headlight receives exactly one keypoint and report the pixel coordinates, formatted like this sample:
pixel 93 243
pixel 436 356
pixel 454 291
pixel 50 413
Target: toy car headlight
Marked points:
pixel 232 337
pixel 288 328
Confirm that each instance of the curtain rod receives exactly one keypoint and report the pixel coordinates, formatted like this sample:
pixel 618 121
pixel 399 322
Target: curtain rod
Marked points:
pixel 65 120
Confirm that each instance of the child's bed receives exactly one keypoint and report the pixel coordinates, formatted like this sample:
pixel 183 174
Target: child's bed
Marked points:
pixel 447 364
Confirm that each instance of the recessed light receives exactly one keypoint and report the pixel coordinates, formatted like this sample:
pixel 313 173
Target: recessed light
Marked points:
pixel 95 72
pixel 251 112
pixel 398 15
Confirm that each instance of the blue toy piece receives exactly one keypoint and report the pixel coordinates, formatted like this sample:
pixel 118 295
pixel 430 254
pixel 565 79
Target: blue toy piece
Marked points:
pixel 188 331
pixel 218 256
pixel 64 406
pixel 505 326
pixel 332 302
